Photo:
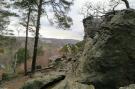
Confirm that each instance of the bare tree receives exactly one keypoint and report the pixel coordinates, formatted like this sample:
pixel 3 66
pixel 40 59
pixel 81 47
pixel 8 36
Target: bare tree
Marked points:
pixel 100 8
pixel 115 3
pixel 94 9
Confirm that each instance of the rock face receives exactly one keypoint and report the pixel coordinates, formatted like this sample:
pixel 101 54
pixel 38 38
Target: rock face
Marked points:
pixel 108 61
pixel 91 26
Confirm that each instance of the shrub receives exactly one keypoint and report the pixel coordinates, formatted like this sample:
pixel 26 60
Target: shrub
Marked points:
pixel 21 55
pixel 8 76
pixel 40 51
pixel 1 50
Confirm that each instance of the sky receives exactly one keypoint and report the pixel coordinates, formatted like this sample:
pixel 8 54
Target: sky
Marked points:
pixel 49 31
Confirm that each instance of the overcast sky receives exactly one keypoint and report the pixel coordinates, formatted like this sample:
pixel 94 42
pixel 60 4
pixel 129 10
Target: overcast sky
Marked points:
pixel 76 31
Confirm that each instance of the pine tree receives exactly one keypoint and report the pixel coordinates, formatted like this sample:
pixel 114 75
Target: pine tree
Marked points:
pixel 27 5
pixel 60 8
pixel 4 18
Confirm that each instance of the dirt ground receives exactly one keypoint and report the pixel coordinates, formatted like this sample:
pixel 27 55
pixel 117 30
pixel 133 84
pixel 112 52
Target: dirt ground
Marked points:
pixel 16 83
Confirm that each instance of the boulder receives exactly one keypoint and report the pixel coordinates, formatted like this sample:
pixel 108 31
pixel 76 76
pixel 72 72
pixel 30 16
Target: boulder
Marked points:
pixel 44 82
pixel 108 61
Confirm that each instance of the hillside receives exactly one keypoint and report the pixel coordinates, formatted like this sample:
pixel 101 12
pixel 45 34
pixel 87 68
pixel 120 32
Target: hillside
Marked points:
pixel 48 48
pixel 104 61
pixel 59 42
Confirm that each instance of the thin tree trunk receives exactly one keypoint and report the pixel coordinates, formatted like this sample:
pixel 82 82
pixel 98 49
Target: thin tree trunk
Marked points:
pixel 15 62
pixel 36 37
pixel 26 42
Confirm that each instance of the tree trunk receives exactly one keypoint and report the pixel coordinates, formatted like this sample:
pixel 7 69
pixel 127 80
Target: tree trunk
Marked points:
pixel 15 63
pixel 36 37
pixel 126 3
pixel 26 42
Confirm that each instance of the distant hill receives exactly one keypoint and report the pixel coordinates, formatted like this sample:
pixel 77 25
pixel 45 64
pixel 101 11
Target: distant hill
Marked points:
pixel 45 41
pixel 53 41
pixel 50 46
pixel 61 42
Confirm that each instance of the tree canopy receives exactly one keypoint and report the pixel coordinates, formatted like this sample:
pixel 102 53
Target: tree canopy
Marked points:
pixel 4 17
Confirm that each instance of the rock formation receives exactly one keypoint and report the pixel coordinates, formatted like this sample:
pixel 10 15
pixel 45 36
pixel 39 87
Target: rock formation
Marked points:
pixel 108 62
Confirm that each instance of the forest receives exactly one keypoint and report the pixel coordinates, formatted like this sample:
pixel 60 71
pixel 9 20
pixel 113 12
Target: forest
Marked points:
pixel 67 44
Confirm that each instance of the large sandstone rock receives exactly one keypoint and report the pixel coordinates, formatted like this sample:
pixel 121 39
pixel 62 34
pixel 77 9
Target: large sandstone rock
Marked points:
pixel 108 61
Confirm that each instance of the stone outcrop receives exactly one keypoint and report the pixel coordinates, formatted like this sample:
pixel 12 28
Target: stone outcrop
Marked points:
pixel 91 25
pixel 108 60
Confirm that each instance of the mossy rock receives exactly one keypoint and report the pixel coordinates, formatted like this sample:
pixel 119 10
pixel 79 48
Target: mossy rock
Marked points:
pixel 41 82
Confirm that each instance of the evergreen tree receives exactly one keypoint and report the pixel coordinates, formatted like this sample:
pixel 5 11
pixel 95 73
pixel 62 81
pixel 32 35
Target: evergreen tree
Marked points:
pixel 27 5
pixel 59 11
pixel 59 7
pixel 4 18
